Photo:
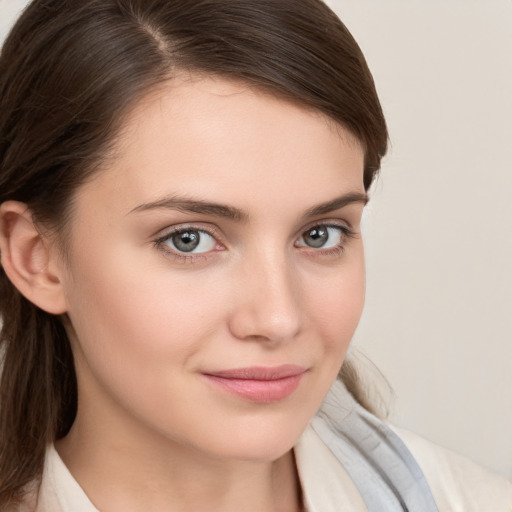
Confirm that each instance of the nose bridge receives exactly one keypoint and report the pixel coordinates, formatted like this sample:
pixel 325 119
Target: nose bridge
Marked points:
pixel 269 303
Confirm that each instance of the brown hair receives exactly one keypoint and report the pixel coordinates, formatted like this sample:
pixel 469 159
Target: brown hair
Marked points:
pixel 69 71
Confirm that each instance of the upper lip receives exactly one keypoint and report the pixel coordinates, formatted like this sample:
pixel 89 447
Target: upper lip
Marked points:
pixel 260 372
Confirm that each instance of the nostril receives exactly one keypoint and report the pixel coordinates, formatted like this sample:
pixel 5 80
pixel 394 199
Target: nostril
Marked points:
pixel 268 320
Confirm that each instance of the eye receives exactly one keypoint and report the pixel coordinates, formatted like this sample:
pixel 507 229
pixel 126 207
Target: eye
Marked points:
pixel 194 241
pixel 322 237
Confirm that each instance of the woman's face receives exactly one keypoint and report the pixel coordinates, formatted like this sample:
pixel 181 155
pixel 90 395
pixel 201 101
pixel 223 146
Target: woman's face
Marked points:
pixel 216 274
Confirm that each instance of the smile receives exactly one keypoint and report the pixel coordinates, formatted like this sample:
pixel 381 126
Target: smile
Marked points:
pixel 259 384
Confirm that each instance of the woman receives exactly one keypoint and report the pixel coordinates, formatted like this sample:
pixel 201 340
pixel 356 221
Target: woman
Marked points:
pixel 182 186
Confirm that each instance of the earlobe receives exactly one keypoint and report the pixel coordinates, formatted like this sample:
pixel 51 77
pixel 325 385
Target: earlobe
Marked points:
pixel 27 259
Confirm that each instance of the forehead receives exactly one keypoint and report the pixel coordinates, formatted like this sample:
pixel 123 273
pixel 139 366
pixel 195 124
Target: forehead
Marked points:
pixel 209 136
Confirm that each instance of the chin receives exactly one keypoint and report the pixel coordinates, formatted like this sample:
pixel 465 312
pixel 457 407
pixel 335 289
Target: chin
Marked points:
pixel 259 441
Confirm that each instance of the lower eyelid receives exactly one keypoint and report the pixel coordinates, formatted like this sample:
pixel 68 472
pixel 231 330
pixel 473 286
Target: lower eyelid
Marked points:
pixel 186 257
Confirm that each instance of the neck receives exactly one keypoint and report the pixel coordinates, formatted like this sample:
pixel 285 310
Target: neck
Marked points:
pixel 123 472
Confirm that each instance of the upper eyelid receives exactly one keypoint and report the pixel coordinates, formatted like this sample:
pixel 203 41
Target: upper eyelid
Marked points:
pixel 164 233
pixel 347 231
pixel 337 223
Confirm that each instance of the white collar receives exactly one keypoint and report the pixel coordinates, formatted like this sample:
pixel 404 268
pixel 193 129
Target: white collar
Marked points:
pixel 59 491
pixel 326 486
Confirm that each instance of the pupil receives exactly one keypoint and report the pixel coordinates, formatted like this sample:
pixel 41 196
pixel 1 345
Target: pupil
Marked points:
pixel 186 241
pixel 316 237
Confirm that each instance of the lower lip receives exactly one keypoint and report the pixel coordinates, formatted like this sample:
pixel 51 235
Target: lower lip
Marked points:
pixel 260 391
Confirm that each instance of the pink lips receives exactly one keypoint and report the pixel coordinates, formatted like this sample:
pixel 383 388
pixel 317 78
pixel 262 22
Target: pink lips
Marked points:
pixel 259 384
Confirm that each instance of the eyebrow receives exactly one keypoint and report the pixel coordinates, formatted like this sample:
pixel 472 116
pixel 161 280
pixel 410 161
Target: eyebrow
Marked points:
pixel 194 206
pixel 186 205
pixel 338 203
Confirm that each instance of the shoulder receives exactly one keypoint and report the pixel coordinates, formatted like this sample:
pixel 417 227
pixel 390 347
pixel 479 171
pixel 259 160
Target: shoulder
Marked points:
pixel 397 470
pixel 57 491
pixel 457 483
pixel 324 481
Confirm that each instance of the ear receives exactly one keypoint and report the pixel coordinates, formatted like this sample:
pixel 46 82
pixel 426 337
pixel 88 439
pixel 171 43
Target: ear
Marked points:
pixel 30 259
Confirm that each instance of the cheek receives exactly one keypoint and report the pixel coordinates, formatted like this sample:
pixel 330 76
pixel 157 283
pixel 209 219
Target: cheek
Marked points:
pixel 338 304
pixel 135 317
pixel 146 312
pixel 138 335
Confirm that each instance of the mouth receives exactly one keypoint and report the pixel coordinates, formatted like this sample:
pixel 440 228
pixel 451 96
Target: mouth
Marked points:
pixel 259 384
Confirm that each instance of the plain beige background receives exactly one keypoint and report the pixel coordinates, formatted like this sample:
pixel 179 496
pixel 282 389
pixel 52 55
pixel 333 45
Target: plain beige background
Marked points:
pixel 438 319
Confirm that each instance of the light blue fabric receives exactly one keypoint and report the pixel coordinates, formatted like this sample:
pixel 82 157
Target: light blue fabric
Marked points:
pixel 382 468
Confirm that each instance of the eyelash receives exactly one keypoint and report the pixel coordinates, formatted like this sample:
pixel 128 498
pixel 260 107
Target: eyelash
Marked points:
pixel 346 233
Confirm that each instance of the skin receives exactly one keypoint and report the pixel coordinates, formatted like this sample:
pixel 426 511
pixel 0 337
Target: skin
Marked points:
pixel 147 322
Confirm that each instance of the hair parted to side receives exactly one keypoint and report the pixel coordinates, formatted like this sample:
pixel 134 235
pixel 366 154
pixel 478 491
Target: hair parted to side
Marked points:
pixel 69 73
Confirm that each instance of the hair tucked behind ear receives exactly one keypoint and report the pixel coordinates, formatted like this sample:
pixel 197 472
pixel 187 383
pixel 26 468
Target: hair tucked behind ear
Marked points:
pixel 69 72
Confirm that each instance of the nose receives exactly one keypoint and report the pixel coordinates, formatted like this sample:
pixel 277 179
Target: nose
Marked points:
pixel 268 305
